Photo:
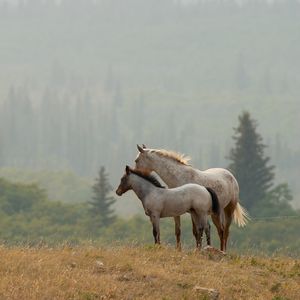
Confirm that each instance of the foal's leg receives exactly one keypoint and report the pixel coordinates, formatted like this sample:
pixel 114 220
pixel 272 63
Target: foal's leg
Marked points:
pixel 197 229
pixel 194 231
pixel 207 233
pixel 200 235
pixel 203 225
pixel 155 226
pixel 177 232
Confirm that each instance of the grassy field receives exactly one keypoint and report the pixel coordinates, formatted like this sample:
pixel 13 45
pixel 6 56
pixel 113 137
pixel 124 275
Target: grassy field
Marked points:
pixel 120 272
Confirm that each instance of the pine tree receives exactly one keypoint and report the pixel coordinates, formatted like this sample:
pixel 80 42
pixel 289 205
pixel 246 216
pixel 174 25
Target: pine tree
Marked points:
pixel 100 206
pixel 254 174
pixel 249 163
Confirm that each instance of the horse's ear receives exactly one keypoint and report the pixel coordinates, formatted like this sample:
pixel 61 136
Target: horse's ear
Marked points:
pixel 140 149
pixel 144 146
pixel 127 170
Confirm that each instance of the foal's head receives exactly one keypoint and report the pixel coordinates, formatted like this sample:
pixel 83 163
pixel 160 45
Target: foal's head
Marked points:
pixel 128 183
pixel 124 185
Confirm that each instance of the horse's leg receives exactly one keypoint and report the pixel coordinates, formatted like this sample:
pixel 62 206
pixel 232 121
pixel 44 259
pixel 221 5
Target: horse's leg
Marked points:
pixel 200 222
pixel 194 231
pixel 200 235
pixel 177 232
pixel 195 228
pixel 216 220
pixel 203 224
pixel 155 226
pixel 229 209
pixel 207 233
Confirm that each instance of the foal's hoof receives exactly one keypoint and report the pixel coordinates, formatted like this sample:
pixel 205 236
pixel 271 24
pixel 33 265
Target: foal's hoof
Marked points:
pixel 178 248
pixel 197 250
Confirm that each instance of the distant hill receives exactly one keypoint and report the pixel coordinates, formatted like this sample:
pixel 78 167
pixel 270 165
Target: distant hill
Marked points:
pixel 67 187
pixel 62 186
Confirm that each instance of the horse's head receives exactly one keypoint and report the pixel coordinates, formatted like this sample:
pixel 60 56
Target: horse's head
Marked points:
pixel 144 159
pixel 124 185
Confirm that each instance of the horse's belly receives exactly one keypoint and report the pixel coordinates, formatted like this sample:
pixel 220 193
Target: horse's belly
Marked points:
pixel 172 212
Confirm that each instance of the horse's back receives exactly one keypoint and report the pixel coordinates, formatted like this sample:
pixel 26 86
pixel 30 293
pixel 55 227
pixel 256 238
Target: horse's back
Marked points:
pixel 195 191
pixel 217 172
pixel 186 197
pixel 189 188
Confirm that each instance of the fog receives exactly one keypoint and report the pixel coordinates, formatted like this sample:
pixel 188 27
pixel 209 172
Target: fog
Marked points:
pixel 82 82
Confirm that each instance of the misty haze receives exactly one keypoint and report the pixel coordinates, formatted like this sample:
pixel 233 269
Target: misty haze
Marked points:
pixel 82 82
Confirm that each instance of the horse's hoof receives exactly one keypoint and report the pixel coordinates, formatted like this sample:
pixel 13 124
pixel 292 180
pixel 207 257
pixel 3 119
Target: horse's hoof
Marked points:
pixel 178 247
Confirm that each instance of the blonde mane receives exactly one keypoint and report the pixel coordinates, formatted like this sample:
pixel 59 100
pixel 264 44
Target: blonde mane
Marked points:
pixel 181 158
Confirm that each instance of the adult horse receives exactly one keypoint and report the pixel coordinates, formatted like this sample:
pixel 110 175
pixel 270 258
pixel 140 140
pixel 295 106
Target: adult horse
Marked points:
pixel 175 171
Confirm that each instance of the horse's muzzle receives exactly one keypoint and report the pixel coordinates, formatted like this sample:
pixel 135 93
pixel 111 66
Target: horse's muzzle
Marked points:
pixel 118 192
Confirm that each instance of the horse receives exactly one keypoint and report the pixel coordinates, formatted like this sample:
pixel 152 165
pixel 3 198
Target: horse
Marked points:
pixel 160 202
pixel 175 170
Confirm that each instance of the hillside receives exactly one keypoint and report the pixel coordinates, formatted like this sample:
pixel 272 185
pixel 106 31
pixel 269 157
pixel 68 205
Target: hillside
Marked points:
pixel 59 185
pixel 90 272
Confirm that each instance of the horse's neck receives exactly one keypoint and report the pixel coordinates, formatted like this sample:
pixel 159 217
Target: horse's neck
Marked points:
pixel 141 186
pixel 172 172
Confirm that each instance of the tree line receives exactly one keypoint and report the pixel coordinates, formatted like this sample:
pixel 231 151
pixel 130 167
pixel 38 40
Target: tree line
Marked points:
pixel 78 130
pixel 58 130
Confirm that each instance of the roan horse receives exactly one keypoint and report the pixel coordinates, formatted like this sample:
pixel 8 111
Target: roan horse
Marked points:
pixel 160 202
pixel 175 171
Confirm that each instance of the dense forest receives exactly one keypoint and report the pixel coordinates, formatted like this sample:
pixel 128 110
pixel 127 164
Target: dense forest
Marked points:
pixel 83 81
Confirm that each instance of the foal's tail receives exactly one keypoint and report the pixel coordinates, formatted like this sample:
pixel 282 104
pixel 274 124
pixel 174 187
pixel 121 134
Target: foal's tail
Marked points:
pixel 240 215
pixel 215 201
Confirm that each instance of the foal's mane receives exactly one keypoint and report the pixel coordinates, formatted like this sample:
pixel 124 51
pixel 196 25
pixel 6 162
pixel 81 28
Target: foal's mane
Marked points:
pixel 181 158
pixel 147 177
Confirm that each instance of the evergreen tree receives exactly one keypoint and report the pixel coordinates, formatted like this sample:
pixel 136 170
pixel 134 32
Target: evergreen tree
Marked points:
pixel 100 206
pixel 249 163
pixel 254 174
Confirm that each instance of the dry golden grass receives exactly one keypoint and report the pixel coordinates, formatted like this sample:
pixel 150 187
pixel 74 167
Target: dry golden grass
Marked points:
pixel 142 273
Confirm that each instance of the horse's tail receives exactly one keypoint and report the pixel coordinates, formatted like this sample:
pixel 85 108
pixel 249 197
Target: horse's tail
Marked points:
pixel 215 201
pixel 240 215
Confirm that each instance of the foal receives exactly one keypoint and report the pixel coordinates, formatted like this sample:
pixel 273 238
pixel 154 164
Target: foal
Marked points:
pixel 159 202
